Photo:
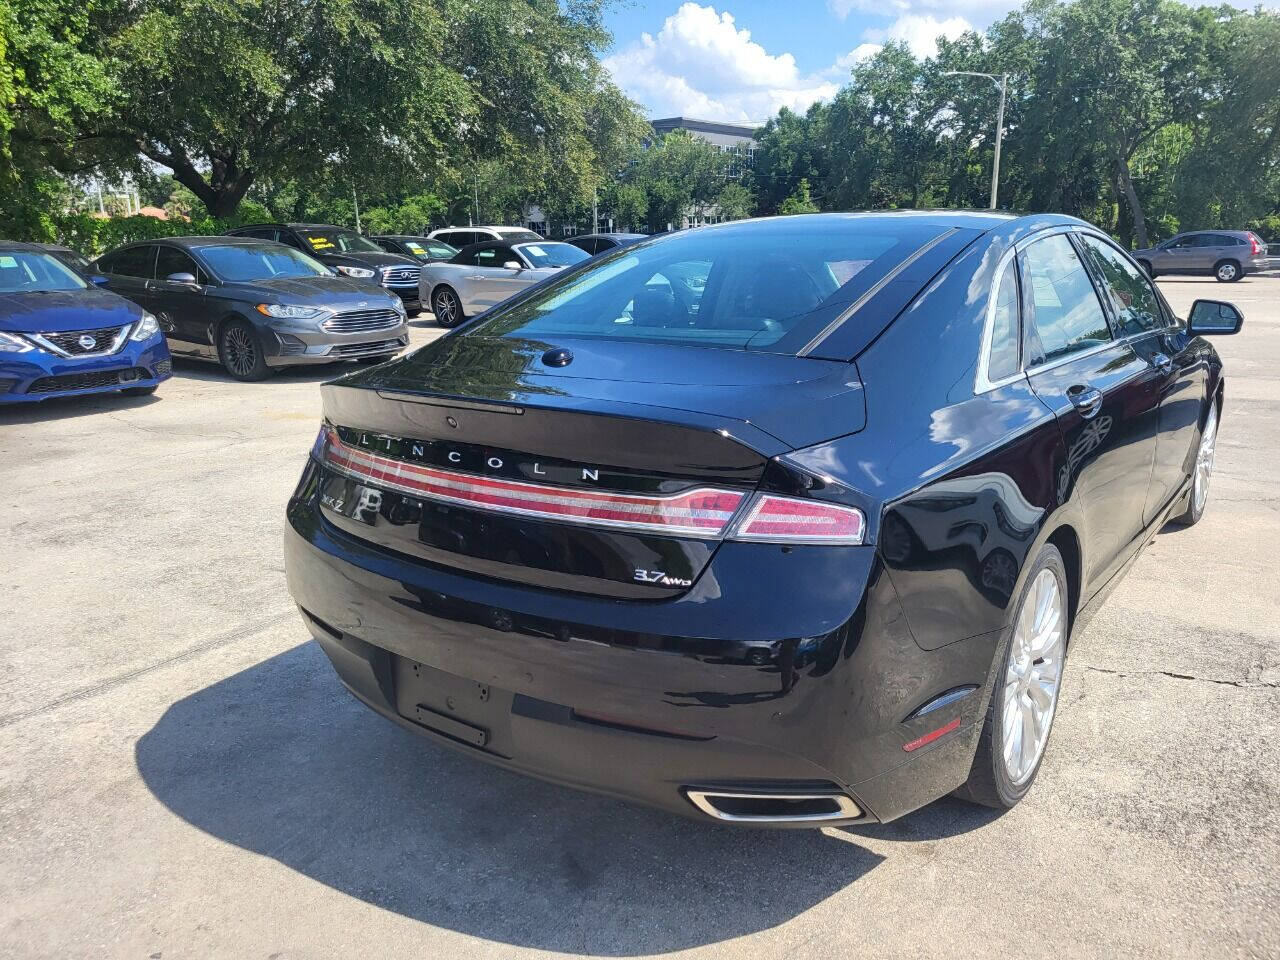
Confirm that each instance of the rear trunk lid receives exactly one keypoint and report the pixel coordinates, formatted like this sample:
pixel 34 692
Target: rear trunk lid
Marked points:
pixel 614 474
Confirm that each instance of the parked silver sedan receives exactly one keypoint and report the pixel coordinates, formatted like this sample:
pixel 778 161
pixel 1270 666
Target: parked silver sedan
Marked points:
pixel 485 274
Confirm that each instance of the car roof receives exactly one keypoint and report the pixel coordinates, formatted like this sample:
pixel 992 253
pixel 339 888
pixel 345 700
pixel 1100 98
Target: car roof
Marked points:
pixel 604 234
pixel 16 245
pixel 292 226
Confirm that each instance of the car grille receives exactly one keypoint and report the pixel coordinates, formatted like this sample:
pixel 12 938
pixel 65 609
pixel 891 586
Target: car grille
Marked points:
pixel 401 276
pixel 86 381
pixel 69 341
pixel 362 321
pixel 358 349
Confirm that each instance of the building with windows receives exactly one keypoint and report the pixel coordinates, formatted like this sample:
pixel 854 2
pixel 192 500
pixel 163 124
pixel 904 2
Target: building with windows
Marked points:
pixel 736 139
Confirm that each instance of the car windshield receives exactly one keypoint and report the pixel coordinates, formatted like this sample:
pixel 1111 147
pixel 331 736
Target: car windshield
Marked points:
pixel 517 236
pixel 552 254
pixel 749 287
pixel 24 271
pixel 338 240
pixel 260 261
pixel 430 248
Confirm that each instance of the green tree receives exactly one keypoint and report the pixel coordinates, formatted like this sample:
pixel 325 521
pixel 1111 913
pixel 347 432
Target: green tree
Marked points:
pixel 680 176
pixel 791 147
pixel 799 201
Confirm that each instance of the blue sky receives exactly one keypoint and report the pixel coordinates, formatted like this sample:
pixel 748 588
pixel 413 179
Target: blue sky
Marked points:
pixel 743 59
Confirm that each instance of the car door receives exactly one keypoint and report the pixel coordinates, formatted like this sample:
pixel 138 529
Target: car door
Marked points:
pixel 490 282
pixel 184 310
pixel 1096 386
pixel 1175 380
pixel 131 270
pixel 1178 256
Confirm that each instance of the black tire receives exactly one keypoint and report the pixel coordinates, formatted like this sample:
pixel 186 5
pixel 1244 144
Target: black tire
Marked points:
pixel 412 312
pixel 240 350
pixel 447 307
pixel 140 391
pixel 1146 265
pixel 990 783
pixel 1227 271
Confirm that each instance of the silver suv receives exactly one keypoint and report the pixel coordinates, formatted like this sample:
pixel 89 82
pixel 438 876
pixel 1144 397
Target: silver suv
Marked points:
pixel 1225 254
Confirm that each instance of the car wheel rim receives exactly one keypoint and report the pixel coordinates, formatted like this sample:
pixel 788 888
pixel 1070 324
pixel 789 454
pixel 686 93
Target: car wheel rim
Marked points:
pixel 1226 272
pixel 1204 458
pixel 444 308
pixel 240 352
pixel 1033 676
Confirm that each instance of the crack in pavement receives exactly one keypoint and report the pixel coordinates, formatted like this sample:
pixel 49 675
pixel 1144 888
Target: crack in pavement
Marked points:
pixel 93 690
pixel 1248 681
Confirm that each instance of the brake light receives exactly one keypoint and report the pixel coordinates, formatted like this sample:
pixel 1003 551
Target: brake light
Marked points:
pixel 704 512
pixel 1257 248
pixel 775 519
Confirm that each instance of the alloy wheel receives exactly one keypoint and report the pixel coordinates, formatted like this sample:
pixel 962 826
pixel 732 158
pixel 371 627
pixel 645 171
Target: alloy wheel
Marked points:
pixel 445 311
pixel 1204 458
pixel 1033 677
pixel 1227 271
pixel 239 351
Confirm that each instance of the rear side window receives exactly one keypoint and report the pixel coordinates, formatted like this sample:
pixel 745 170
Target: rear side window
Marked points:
pixel 1003 359
pixel 718 287
pixel 493 256
pixel 134 262
pixel 1067 316
pixel 1132 298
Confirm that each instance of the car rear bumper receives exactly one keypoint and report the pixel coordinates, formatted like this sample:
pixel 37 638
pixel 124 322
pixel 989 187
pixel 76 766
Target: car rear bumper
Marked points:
pixel 646 700
pixel 36 376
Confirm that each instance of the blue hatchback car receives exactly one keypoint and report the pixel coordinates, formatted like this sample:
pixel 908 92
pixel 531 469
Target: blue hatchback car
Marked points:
pixel 62 336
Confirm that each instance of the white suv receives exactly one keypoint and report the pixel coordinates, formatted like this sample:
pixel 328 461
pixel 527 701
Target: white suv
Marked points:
pixel 465 236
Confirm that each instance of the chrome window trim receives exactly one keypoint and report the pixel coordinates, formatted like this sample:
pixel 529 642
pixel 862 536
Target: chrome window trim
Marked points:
pixel 982 384
pixel 879 285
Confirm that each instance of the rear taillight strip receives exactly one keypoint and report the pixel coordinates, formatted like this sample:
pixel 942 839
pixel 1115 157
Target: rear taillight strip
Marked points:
pixel 704 512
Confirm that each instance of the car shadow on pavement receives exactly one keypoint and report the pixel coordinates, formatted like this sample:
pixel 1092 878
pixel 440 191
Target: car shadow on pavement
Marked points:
pixel 318 373
pixel 280 760
pixel 62 408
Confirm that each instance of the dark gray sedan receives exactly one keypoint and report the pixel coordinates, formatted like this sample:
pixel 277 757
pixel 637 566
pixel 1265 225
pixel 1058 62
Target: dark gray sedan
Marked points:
pixel 1225 254
pixel 252 305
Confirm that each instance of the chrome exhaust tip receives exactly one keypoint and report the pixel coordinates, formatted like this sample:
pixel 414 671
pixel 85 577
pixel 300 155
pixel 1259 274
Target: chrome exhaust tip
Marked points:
pixel 736 806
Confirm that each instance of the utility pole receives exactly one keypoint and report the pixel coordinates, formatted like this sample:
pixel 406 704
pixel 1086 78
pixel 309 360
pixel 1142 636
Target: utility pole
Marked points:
pixel 1002 81
pixel 595 216
pixel 475 184
pixel 356 201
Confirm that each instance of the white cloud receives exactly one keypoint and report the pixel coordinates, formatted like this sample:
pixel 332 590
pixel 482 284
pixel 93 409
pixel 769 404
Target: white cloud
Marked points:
pixel 982 11
pixel 920 33
pixel 701 64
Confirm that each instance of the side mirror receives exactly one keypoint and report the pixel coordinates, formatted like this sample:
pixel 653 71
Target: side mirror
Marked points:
pixel 188 279
pixel 99 280
pixel 513 265
pixel 1214 317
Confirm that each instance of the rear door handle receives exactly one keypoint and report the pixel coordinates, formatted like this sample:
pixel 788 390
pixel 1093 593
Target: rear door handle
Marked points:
pixel 1161 362
pixel 1088 400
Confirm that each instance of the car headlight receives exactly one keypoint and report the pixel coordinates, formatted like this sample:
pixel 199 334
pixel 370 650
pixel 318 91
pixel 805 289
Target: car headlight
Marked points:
pixel 146 328
pixel 11 344
pixel 398 306
pixel 286 311
pixel 359 273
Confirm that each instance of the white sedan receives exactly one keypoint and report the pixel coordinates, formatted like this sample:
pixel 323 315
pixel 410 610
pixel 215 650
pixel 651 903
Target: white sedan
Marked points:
pixel 485 274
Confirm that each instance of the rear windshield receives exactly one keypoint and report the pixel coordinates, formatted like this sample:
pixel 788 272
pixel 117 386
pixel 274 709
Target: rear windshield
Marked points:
pixel 23 271
pixel 260 261
pixel 338 240
pixel 755 286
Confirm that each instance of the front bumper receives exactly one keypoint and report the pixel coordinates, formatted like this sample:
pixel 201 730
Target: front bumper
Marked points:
pixel 407 292
pixel 36 375
pixel 645 700
pixel 293 345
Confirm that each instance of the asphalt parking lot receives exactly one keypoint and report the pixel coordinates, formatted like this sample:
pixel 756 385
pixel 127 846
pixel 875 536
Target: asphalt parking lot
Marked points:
pixel 182 776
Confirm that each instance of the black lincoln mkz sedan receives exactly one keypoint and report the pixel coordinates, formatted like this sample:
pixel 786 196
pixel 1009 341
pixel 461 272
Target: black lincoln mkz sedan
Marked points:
pixel 254 305
pixel 777 522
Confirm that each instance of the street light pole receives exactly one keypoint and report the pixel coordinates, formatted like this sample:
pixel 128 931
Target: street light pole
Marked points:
pixel 1002 81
